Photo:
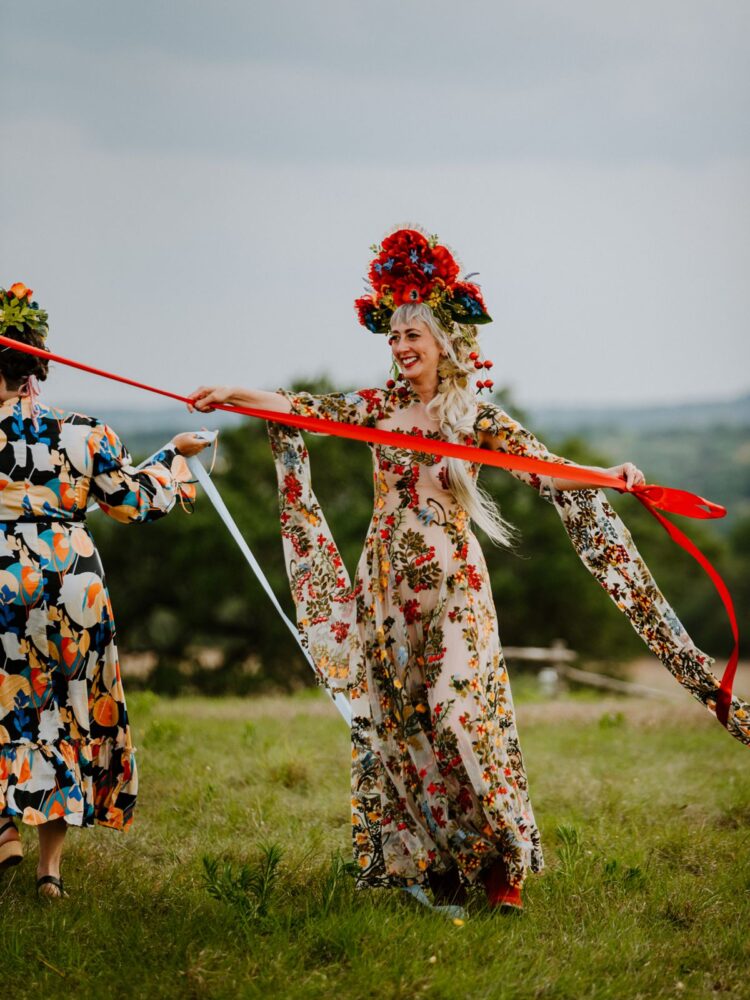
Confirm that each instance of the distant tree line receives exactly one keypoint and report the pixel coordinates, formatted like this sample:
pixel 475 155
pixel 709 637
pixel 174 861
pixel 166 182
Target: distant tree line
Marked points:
pixel 182 591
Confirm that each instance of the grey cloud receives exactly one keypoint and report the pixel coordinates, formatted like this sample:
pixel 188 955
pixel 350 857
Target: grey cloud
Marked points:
pixel 354 82
pixel 214 172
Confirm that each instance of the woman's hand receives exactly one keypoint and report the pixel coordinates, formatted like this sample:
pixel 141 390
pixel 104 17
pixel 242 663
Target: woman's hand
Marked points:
pixel 627 471
pixel 206 397
pixel 188 444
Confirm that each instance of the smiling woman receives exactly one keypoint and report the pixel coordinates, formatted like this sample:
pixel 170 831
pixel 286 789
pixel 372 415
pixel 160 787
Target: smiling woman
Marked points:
pixel 439 789
pixel 439 368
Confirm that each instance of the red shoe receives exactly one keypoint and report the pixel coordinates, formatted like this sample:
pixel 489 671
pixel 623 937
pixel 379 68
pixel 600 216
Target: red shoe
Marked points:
pixel 500 893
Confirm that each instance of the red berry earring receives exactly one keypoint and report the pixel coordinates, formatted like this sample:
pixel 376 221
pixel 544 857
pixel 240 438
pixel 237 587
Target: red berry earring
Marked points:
pixel 481 366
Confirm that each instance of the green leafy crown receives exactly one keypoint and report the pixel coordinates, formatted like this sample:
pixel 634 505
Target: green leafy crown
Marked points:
pixel 17 310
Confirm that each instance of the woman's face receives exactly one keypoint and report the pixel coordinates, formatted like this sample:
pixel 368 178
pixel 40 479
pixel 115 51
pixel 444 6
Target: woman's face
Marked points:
pixel 415 350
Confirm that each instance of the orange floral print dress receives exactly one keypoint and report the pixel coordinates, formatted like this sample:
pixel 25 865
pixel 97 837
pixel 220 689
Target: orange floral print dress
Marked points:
pixel 65 746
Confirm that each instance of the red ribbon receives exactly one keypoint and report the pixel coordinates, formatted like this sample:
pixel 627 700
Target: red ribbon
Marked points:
pixel 654 498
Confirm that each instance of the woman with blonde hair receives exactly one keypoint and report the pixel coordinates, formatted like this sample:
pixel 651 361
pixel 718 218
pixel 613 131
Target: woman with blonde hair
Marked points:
pixel 439 789
pixel 66 756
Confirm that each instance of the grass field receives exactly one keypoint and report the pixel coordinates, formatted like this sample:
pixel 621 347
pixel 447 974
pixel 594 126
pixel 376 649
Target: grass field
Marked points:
pixel 645 816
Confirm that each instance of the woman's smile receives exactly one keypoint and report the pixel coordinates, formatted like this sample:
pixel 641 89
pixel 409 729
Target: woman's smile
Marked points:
pixel 407 360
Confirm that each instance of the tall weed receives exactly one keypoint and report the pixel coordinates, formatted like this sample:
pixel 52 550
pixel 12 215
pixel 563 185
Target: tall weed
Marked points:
pixel 248 890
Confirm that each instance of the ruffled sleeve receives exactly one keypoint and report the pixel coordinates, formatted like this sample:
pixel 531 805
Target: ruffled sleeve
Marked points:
pixel 133 495
pixel 364 407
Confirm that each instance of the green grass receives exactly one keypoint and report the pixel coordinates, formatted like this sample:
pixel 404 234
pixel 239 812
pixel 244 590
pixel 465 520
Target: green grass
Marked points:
pixel 645 818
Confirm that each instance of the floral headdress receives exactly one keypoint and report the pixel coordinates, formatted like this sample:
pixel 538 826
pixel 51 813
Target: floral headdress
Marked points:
pixel 18 311
pixel 410 266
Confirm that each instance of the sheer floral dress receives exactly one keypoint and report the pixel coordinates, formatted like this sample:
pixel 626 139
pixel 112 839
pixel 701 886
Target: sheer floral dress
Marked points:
pixel 65 745
pixel 438 777
pixel 438 773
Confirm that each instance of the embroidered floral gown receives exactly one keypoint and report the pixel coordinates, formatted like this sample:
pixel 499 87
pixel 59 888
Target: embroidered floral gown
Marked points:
pixel 65 746
pixel 438 776
pixel 438 771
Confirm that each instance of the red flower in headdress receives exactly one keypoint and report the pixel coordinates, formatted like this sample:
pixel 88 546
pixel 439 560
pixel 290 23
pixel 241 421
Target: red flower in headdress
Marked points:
pixel 409 267
pixel 446 265
pixel 470 290
pixel 404 240
pixel 408 293
pixel 365 308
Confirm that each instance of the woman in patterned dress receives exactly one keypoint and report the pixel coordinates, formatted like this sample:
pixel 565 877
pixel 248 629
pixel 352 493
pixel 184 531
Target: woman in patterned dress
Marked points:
pixel 439 791
pixel 66 757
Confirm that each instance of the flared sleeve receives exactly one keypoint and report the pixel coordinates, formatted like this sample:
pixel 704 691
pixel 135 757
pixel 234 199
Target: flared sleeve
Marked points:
pixel 131 495
pixel 607 550
pixel 325 601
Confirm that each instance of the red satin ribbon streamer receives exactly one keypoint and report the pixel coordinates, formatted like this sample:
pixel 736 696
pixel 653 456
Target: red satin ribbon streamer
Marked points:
pixel 724 694
pixel 654 498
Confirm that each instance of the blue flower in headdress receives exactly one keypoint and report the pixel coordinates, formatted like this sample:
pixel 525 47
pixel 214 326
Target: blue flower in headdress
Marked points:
pixel 413 256
pixel 389 263
pixel 427 267
pixel 472 305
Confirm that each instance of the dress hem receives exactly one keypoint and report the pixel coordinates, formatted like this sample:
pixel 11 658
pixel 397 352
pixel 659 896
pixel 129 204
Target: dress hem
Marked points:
pixel 83 782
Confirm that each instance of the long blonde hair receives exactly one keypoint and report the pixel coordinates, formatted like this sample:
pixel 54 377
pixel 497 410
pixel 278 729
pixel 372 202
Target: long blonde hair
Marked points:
pixel 455 409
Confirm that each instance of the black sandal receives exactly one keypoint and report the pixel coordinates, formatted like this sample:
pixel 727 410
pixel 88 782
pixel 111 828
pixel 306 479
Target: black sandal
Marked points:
pixel 11 852
pixel 447 887
pixel 54 883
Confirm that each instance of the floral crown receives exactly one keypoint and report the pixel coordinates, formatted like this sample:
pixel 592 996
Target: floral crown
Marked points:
pixel 18 311
pixel 410 266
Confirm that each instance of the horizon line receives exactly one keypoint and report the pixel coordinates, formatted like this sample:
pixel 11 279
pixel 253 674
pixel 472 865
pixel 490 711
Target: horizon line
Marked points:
pixel 656 404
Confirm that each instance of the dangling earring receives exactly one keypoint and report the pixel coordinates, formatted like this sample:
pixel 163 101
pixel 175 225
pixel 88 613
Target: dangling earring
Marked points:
pixel 395 374
pixel 480 365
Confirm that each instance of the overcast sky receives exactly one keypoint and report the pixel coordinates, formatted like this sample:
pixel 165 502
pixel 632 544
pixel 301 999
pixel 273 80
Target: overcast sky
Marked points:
pixel 192 188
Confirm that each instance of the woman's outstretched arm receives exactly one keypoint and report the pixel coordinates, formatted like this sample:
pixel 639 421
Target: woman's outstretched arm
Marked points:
pixel 361 407
pixel 132 495
pixel 206 397
pixel 500 432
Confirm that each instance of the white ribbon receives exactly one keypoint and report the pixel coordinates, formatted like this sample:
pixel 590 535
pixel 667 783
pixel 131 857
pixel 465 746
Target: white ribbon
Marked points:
pixel 221 509
pixel 415 891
